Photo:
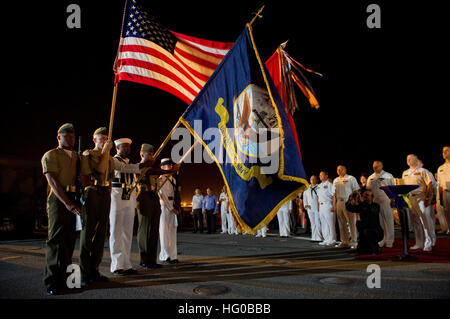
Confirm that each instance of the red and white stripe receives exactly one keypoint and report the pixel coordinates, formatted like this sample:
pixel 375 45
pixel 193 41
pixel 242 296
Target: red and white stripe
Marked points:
pixel 182 74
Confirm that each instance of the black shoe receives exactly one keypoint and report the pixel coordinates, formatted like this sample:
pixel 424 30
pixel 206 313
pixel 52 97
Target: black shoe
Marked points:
pixel 144 265
pixel 119 272
pixel 130 271
pixel 194 232
pixel 150 266
pixel 175 261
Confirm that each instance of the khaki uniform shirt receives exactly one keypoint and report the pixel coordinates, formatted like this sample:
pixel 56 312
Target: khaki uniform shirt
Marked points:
pixel 375 181
pixel 89 161
pixel 417 176
pixel 344 186
pixel 443 176
pixel 62 164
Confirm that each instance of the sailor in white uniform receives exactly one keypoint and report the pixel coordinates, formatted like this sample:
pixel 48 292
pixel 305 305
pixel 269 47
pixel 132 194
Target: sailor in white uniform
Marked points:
pixel 419 200
pixel 232 229
pixel 344 185
pixel 123 206
pixel 443 179
pixel 223 200
pixel 327 210
pixel 378 179
pixel 311 204
pixel 168 222
pixel 283 219
pixel 262 232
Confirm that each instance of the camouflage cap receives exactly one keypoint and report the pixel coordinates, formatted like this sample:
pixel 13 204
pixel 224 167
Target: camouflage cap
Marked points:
pixel 101 130
pixel 66 128
pixel 147 148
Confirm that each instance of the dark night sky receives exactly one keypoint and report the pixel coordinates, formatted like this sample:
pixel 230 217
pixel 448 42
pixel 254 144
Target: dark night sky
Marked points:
pixel 377 82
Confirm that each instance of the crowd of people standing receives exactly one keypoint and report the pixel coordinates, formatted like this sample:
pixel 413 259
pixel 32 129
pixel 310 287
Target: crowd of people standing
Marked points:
pixel 111 190
pixel 345 213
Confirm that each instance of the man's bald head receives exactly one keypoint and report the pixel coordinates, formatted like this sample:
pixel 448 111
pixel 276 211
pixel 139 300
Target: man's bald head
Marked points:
pixel 341 170
pixel 377 166
pixel 446 153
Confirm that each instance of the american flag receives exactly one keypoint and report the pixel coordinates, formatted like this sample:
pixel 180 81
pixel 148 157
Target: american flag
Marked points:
pixel 153 55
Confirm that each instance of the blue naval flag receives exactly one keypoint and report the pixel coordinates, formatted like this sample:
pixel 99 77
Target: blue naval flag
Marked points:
pixel 253 146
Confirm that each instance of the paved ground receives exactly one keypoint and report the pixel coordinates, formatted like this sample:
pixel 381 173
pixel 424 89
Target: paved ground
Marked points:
pixel 244 266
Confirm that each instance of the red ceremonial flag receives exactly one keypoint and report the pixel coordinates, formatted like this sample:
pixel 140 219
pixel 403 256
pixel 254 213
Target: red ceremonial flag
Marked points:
pixel 153 55
pixel 273 65
pixel 280 66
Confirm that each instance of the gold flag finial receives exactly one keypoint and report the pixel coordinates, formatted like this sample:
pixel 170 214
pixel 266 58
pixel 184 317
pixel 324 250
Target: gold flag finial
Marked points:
pixel 283 45
pixel 257 15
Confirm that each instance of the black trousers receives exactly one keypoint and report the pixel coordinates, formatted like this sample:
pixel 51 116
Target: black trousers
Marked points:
pixel 198 220
pixel 293 222
pixel 211 221
pixel 368 240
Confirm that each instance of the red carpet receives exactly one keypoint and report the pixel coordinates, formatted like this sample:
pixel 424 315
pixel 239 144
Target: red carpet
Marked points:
pixel 439 254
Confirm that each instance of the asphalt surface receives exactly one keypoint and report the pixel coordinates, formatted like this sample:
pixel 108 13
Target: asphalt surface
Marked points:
pixel 233 267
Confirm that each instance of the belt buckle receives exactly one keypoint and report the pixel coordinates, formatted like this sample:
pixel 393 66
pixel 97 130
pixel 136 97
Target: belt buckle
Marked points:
pixel 102 184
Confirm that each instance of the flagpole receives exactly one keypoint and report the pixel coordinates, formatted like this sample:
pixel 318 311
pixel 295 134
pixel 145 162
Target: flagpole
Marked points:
pixel 181 160
pixel 179 163
pixel 187 153
pixel 116 84
pixel 113 110
pixel 111 122
pixel 166 140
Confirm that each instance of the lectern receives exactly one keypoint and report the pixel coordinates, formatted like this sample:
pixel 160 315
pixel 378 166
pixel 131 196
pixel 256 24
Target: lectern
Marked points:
pixel 397 192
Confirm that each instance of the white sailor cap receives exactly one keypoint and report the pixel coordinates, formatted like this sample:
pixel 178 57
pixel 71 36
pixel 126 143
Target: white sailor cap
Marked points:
pixel 122 141
pixel 166 161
